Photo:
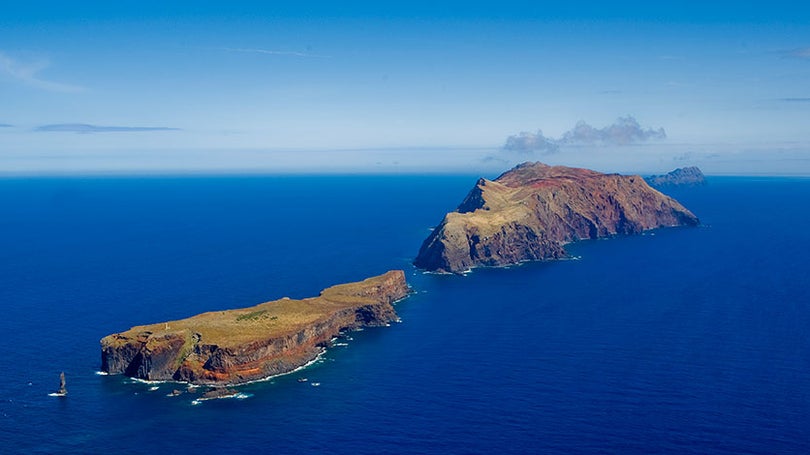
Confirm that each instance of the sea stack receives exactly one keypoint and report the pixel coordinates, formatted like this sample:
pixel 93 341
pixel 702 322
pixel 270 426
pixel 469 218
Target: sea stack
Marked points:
pixel 533 210
pixel 242 345
pixel 62 388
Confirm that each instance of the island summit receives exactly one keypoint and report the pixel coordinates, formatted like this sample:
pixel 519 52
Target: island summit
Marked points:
pixel 531 211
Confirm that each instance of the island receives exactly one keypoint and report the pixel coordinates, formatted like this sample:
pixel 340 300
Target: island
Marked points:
pixel 242 345
pixel 683 176
pixel 531 211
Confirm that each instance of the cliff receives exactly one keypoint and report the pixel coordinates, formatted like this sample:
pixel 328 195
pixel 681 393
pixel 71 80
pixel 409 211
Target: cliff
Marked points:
pixel 237 346
pixel 532 211
pixel 684 176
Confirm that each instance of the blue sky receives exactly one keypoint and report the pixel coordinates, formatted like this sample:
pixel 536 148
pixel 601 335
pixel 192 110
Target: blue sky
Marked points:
pixel 402 87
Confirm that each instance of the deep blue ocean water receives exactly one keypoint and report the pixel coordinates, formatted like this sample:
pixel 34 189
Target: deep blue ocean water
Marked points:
pixel 687 340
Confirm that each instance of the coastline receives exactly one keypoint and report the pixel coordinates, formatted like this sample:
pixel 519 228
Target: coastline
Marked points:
pixel 256 343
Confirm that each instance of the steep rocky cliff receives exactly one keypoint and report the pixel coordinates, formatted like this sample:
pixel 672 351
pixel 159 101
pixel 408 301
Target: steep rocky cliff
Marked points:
pixel 531 211
pixel 683 176
pixel 236 346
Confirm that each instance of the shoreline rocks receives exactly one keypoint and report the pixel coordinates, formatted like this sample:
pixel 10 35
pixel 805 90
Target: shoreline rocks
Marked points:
pixel 243 345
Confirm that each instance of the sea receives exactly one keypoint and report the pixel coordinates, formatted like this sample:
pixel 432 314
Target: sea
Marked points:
pixel 681 340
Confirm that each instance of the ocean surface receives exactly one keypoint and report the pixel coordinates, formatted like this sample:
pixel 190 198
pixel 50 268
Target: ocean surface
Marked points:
pixel 683 340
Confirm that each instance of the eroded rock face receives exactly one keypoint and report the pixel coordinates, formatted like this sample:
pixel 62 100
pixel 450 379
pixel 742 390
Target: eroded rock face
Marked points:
pixel 532 211
pixel 684 176
pixel 237 346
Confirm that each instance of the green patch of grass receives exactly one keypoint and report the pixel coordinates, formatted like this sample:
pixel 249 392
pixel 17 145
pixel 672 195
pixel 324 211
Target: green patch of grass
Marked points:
pixel 185 351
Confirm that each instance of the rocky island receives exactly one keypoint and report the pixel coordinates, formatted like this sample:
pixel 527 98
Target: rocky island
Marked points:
pixel 531 211
pixel 683 176
pixel 238 346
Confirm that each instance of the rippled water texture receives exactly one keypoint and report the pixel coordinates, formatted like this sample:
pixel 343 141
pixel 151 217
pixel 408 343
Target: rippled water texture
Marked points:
pixel 682 340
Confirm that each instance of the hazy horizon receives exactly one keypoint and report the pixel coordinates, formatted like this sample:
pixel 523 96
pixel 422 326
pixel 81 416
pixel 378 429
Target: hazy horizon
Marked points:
pixel 414 87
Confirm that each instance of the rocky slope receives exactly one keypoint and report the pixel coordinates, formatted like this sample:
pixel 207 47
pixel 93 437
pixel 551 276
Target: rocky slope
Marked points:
pixel 237 346
pixel 684 176
pixel 533 210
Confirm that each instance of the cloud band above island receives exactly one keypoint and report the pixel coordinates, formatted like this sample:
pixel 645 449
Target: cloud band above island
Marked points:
pixel 624 131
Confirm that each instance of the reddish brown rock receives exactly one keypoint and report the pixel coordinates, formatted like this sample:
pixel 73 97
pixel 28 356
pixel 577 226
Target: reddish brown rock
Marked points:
pixel 237 346
pixel 532 211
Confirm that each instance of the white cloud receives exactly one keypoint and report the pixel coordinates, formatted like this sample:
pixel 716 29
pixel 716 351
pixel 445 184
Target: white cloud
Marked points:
pixel 27 72
pixel 531 142
pixel 269 52
pixel 801 53
pixel 84 128
pixel 624 131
